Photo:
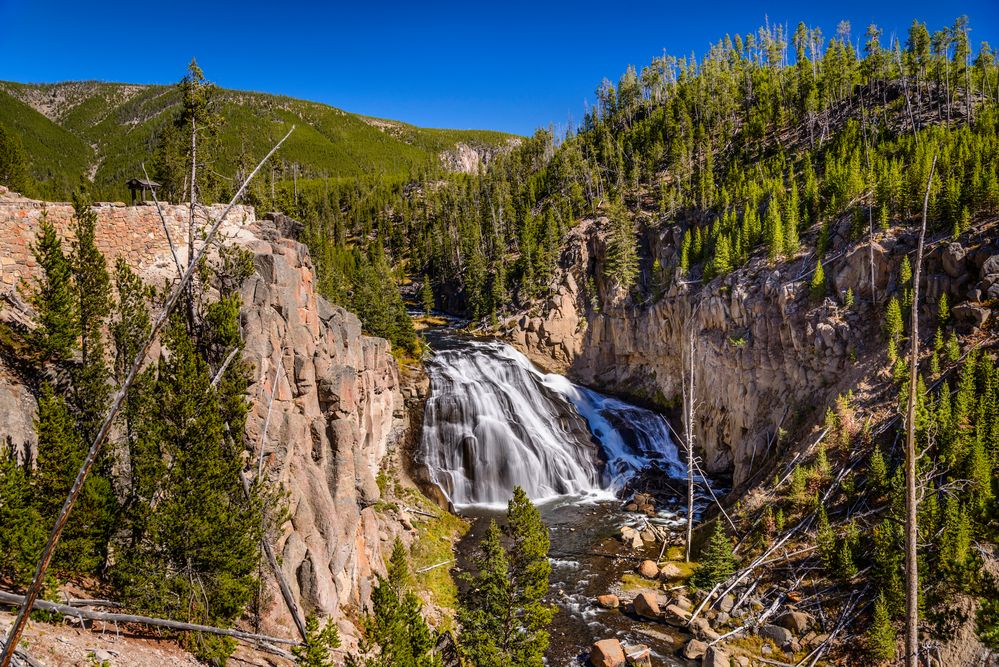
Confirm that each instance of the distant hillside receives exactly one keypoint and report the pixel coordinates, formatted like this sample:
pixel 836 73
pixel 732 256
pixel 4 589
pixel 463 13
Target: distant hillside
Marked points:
pixel 104 131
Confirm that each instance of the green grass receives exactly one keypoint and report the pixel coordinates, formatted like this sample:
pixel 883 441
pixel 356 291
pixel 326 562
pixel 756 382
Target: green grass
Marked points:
pixel 433 545
pixel 122 121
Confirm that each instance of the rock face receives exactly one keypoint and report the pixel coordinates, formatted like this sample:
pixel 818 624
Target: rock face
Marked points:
pixel 766 354
pixel 337 405
pixel 333 418
pixel 467 159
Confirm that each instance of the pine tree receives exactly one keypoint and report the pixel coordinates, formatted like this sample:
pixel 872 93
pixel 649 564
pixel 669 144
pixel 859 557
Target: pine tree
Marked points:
pixel 93 287
pixel 817 288
pixel 622 248
pixel 905 281
pixel 61 450
pixel 775 232
pixel 194 548
pixel 877 476
pixel 685 253
pixel 53 296
pixel 893 320
pixel 881 635
pixel 13 163
pixel 943 310
pixel 22 530
pixel 791 215
pixel 426 295
pixel 314 651
pixel 503 615
pixel 717 560
pixel 395 632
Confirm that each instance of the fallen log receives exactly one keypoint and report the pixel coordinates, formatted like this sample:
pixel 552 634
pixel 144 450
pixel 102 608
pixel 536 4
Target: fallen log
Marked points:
pixel 109 617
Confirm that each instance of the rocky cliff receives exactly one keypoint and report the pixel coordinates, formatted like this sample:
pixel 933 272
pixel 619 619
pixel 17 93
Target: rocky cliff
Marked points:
pixel 768 359
pixel 336 411
pixel 337 408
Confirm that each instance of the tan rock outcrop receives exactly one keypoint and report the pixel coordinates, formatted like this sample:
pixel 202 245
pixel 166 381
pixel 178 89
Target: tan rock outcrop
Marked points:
pixel 767 356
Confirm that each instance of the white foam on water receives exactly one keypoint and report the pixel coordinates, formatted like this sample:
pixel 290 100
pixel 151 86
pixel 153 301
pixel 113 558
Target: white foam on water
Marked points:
pixel 494 421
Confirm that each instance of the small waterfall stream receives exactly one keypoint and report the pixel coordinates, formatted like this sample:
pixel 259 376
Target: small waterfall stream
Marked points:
pixel 494 420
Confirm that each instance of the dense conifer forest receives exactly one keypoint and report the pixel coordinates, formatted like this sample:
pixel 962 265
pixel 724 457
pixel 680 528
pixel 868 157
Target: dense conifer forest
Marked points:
pixel 757 150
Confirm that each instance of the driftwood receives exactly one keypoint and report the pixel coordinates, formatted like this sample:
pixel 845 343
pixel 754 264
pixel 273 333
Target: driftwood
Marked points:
pixel 433 567
pixel 109 617
pixel 38 580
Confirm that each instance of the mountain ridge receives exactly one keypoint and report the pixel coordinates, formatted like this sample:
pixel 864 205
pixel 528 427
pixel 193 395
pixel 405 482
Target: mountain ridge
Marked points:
pixel 104 130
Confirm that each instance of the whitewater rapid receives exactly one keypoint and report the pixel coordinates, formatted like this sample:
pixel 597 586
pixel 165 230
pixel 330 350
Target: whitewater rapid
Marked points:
pixel 494 421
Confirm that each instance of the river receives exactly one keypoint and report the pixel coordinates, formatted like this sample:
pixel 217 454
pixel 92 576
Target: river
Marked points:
pixel 493 420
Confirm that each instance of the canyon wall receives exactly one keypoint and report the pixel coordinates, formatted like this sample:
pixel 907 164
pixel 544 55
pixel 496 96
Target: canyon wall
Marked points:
pixel 337 405
pixel 768 359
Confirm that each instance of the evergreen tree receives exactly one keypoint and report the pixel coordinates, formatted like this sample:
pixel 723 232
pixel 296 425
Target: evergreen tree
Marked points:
pixel 817 288
pixel 193 549
pixel 717 561
pixel 426 295
pixel 881 635
pixel 93 287
pixel 13 163
pixel 53 296
pixel 395 630
pixel 622 248
pixel 685 253
pixel 61 451
pixel 22 530
pixel 502 613
pixel 314 651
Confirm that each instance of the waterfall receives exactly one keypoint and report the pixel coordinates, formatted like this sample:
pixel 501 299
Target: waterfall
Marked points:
pixel 493 421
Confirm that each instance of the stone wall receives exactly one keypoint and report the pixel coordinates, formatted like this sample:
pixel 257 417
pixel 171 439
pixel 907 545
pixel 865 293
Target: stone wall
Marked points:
pixel 133 232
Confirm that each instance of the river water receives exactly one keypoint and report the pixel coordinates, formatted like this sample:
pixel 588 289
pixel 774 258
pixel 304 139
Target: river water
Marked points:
pixel 493 420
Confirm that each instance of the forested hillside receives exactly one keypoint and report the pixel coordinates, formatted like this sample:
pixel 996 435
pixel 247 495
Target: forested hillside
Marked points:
pixel 767 149
pixel 105 131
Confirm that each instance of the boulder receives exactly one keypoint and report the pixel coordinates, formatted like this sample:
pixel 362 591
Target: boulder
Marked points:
pixel 701 628
pixel 638 655
pixel 647 606
pixel 676 616
pixel 608 601
pixel 694 649
pixel 971 314
pixel 648 569
pixel 797 622
pixel 952 259
pixel 715 657
pixel 607 653
pixel 991 266
pixel 683 602
pixel 778 635
pixel 670 571
pixel 727 603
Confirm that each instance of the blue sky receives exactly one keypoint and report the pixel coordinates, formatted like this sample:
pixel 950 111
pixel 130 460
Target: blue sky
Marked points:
pixel 509 66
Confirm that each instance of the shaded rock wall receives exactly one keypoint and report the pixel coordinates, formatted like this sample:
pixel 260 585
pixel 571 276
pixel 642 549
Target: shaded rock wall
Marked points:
pixel 767 356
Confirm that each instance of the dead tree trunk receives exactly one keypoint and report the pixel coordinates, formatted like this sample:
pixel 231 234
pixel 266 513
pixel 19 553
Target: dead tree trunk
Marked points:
pixel 911 518
pixel 687 384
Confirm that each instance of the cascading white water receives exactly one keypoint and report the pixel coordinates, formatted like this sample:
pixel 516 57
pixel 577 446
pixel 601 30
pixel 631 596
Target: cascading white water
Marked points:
pixel 494 421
